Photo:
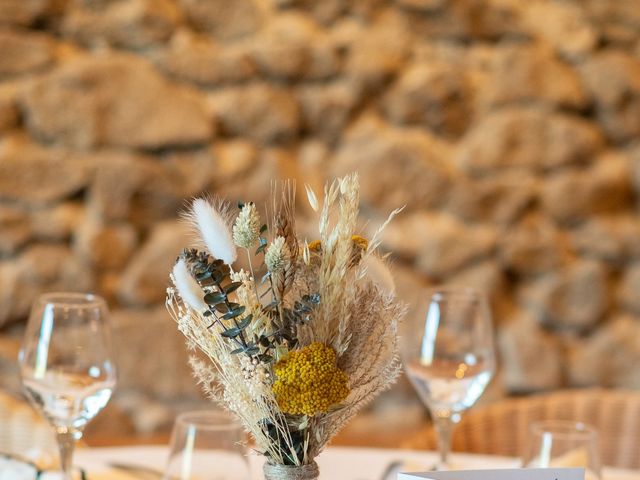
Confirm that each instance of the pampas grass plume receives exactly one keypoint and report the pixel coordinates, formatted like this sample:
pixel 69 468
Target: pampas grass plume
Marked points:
pixel 187 287
pixel 380 274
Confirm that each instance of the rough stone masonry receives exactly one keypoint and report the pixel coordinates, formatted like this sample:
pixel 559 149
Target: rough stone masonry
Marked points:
pixel 509 128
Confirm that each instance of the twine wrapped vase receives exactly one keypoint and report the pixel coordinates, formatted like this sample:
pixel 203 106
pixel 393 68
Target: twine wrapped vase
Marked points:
pixel 288 472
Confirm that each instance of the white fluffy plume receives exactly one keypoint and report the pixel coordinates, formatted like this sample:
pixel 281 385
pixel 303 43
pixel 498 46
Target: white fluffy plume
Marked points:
pixel 213 229
pixel 187 287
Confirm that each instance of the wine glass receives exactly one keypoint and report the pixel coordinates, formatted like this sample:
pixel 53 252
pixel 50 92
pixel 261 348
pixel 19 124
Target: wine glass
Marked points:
pixel 66 364
pixel 560 443
pixel 207 445
pixel 448 354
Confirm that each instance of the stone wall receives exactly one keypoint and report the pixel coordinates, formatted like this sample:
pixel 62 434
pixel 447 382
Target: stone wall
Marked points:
pixel 507 127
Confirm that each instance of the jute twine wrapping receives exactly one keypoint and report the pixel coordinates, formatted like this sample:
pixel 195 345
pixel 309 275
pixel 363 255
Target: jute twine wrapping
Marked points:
pixel 287 472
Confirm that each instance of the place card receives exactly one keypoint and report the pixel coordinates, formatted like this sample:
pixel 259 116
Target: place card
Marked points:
pixel 503 474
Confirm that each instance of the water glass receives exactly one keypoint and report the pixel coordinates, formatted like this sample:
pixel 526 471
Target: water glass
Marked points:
pixel 448 354
pixel 207 445
pixel 563 444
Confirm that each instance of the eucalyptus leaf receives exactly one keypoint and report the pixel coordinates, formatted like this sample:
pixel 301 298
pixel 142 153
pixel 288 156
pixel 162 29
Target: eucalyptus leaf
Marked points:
pixel 231 332
pixel 245 322
pixel 217 276
pixel 203 276
pixel 232 287
pixel 214 298
pixel 236 312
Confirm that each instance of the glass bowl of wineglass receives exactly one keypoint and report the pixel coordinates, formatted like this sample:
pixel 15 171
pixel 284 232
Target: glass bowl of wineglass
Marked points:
pixel 66 364
pixel 448 354
pixel 207 444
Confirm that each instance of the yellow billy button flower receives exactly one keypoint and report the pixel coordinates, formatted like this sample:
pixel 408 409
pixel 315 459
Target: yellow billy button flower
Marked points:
pixel 360 243
pixel 315 246
pixel 308 381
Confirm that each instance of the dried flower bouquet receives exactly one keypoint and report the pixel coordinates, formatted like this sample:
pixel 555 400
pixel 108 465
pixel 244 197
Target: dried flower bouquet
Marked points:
pixel 300 344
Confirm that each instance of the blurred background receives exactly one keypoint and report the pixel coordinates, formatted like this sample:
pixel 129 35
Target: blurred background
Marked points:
pixel 508 128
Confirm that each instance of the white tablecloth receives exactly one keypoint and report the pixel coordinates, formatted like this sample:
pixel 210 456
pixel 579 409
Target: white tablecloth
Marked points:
pixel 336 463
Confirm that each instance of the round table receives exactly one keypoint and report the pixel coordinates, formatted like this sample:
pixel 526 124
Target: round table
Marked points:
pixel 336 463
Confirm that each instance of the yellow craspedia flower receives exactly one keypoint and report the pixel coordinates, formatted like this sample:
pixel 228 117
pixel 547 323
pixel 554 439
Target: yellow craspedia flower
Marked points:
pixel 308 381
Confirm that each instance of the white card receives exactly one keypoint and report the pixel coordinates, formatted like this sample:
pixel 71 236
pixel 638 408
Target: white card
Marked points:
pixel 504 474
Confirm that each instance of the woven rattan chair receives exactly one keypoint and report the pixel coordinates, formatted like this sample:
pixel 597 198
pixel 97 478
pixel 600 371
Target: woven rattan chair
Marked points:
pixel 21 429
pixel 501 428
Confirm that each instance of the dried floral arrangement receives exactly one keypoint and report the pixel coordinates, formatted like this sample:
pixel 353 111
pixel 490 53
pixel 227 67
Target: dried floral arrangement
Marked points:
pixel 303 339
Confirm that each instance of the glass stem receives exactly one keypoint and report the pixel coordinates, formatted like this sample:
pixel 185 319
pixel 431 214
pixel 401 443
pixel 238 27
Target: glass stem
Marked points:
pixel 67 438
pixel 444 428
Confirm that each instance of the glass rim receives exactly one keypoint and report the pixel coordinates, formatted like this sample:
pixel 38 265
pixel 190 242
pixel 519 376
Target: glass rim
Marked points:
pixel 563 428
pixel 456 291
pixel 209 420
pixel 71 299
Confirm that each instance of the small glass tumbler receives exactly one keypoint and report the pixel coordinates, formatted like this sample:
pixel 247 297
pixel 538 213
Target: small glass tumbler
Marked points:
pixel 555 444
pixel 207 445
